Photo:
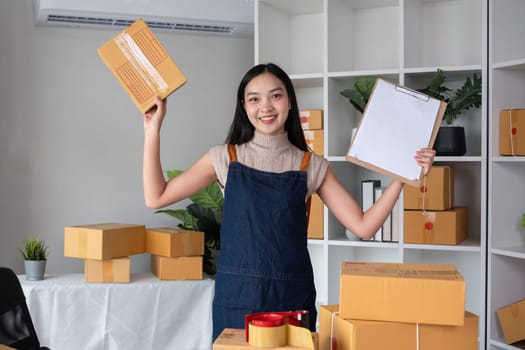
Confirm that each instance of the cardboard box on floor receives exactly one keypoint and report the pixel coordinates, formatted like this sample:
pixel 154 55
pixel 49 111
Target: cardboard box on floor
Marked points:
pixel 435 191
pixel 181 268
pixel 235 339
pixel 169 242
pixel 447 227
pixel 349 334
pixel 107 271
pixel 414 293
pixel 512 321
pixel 104 241
pixel 142 65
pixel 512 132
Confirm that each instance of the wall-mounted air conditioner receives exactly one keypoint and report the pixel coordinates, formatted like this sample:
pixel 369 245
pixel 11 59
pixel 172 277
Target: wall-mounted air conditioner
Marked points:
pixel 215 17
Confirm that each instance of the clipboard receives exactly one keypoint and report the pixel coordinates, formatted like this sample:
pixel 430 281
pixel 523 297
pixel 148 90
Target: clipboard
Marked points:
pixel 397 121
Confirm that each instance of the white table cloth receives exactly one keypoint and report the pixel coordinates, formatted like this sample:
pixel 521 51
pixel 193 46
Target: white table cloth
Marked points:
pixel 147 313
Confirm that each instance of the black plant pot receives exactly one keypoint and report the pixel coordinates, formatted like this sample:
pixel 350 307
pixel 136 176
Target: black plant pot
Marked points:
pixel 450 141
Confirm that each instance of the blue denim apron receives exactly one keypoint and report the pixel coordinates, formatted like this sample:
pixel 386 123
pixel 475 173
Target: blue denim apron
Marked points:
pixel 264 264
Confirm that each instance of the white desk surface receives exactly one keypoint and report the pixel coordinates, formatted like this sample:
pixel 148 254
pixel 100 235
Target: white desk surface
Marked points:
pixel 146 313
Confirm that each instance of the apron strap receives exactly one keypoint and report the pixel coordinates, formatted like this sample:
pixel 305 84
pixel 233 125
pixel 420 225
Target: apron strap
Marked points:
pixel 233 152
pixel 304 166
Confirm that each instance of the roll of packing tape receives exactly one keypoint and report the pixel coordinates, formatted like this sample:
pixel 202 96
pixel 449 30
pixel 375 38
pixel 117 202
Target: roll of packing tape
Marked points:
pixel 267 331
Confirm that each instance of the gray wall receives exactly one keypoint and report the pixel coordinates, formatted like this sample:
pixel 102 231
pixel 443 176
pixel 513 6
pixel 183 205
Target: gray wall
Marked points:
pixel 71 139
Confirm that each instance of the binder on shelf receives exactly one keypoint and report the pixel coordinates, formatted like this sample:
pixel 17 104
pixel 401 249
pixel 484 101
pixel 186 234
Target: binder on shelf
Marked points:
pixel 397 122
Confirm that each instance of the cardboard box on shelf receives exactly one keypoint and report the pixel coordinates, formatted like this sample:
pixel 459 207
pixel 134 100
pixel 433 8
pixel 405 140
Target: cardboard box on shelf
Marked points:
pixel 104 241
pixel 107 271
pixel 414 293
pixel 235 339
pixel 512 132
pixel 435 191
pixel 512 321
pixel 315 140
pixel 181 268
pixel 311 119
pixel 448 227
pixel 349 334
pixel 316 220
pixel 170 242
pixel 142 65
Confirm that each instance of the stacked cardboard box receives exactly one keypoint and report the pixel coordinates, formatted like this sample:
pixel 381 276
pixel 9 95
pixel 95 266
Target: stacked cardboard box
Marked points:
pixel 105 248
pixel 398 306
pixel 312 124
pixel 430 216
pixel 512 132
pixel 175 254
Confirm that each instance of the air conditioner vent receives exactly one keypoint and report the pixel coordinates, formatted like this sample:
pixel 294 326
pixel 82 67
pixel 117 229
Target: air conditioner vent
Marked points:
pixel 187 27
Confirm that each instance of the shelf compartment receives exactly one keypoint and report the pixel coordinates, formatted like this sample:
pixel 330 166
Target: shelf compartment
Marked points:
pixel 507 30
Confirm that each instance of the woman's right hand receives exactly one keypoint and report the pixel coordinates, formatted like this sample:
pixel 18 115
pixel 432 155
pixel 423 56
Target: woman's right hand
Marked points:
pixel 155 115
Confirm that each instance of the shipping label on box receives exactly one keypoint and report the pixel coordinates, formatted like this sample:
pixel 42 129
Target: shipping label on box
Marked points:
pixel 311 119
pixel 174 269
pixel 315 140
pixel 435 191
pixel 316 219
pixel 512 132
pixel 415 293
pixel 349 334
pixel 169 242
pixel 104 241
pixel 235 339
pixel 142 65
pixel 448 227
pixel 107 271
pixel 512 321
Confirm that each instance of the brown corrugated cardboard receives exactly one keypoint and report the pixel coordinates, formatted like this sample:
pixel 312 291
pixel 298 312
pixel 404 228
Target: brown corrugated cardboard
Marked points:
pixel 316 220
pixel 181 268
pixel 235 339
pixel 142 65
pixel 512 321
pixel 311 119
pixel 170 242
pixel 448 227
pixel 414 293
pixel 107 271
pixel 104 241
pixel 349 334
pixel 435 191
pixel 315 140
pixel 512 132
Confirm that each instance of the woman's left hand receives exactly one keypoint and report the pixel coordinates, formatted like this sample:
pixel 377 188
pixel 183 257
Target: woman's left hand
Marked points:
pixel 424 158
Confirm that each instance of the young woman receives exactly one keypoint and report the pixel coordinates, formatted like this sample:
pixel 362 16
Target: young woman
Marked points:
pixel 267 174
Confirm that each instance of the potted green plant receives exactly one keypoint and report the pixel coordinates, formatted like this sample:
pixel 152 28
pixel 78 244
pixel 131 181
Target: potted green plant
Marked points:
pixel 450 139
pixel 203 214
pixel 35 254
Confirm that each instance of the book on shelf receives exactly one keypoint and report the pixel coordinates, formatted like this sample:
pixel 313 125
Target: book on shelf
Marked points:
pixel 368 194
pixel 395 222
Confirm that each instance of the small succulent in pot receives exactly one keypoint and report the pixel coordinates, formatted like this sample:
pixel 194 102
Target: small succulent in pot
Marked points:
pixel 34 249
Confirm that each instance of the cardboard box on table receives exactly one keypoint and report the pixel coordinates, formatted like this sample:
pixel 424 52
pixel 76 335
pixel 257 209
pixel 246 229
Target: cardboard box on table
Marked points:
pixel 512 132
pixel 180 268
pixel 316 219
pixel 435 191
pixel 447 227
pixel 169 242
pixel 107 271
pixel 350 334
pixel 512 321
pixel 414 293
pixel 104 241
pixel 311 119
pixel 235 339
pixel 142 65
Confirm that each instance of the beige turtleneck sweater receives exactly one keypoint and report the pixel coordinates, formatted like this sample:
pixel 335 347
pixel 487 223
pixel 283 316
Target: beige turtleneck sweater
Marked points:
pixel 270 153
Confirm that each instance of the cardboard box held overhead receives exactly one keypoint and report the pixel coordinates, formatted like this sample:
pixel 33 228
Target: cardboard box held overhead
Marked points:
pixel 142 65
pixel 414 293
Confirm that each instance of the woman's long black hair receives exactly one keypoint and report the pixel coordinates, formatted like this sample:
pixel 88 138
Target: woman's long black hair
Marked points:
pixel 241 130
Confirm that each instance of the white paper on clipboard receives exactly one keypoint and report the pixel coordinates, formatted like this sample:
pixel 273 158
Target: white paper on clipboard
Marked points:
pixel 396 123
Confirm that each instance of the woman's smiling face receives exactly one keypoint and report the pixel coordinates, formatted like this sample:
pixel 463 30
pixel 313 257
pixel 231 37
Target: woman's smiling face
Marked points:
pixel 266 104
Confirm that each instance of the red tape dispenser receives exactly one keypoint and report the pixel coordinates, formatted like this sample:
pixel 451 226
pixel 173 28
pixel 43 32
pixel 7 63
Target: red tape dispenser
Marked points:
pixel 268 329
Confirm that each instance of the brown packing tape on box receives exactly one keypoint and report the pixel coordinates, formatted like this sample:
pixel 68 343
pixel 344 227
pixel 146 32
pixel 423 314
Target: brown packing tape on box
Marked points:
pixel 512 132
pixel 107 271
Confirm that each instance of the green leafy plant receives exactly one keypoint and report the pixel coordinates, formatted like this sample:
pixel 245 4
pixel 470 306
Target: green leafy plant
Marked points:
pixel 34 249
pixel 523 221
pixel 465 98
pixel 204 214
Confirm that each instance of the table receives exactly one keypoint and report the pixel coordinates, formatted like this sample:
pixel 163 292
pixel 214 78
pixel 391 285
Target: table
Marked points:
pixel 146 313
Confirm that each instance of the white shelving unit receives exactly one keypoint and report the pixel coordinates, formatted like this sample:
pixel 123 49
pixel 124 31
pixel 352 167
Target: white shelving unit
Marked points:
pixel 506 187
pixel 325 45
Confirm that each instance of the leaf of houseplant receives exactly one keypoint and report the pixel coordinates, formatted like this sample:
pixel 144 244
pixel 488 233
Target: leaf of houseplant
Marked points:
pixel 209 197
